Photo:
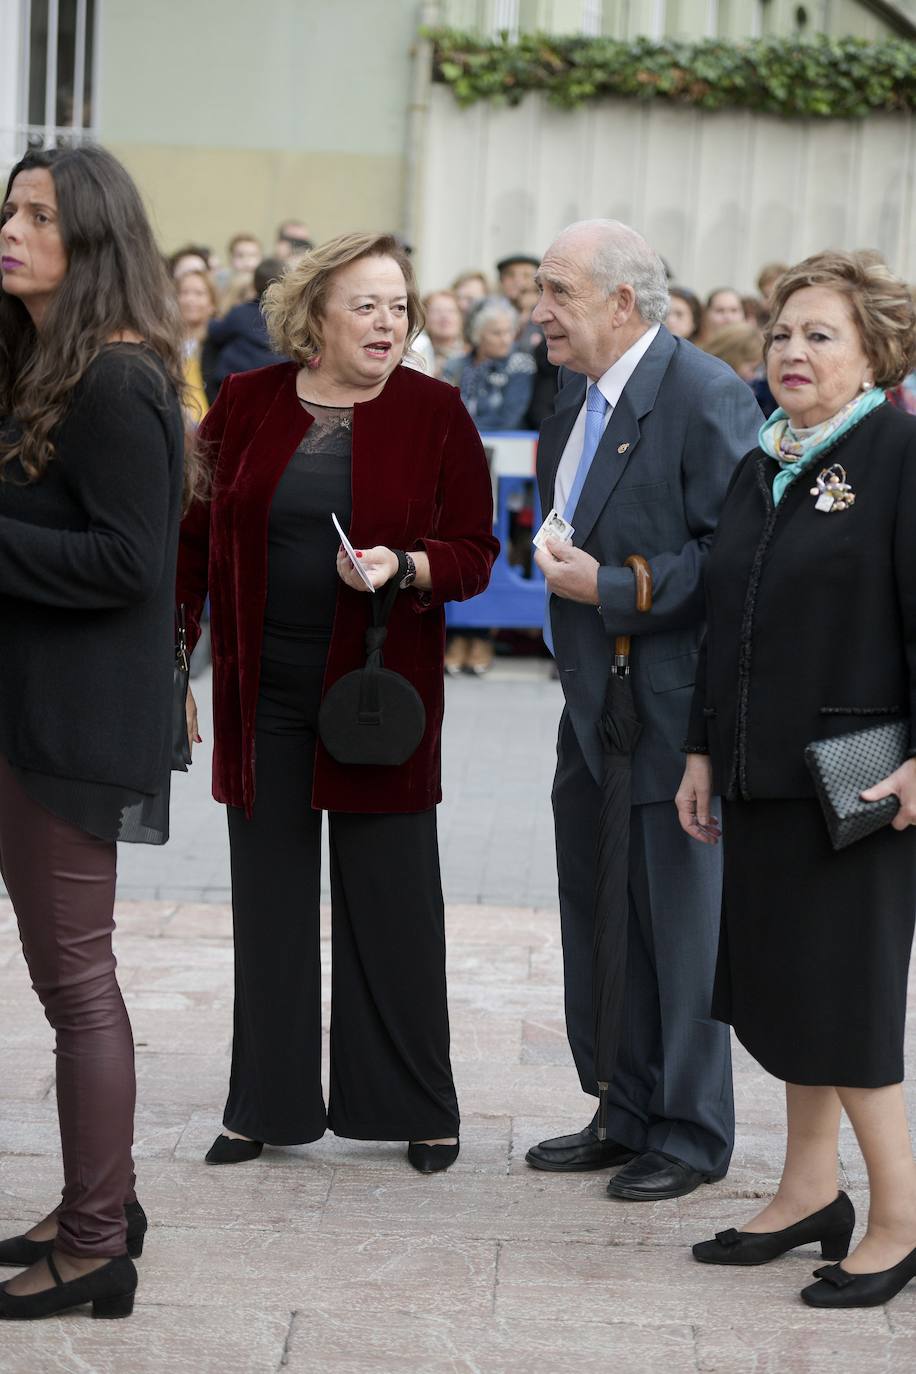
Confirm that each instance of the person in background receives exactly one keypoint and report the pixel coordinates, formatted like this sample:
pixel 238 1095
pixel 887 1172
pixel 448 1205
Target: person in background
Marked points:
pixel 495 377
pixel 239 341
pixel 741 346
pixel 342 428
pixel 516 274
pixel 193 257
pixel 723 307
pixel 685 314
pixel 197 306
pixel 470 288
pixel 444 328
pixel 245 252
pixel 294 240
pixel 91 473
pixel 767 278
pixel 811 634
pixel 496 380
pixel 903 396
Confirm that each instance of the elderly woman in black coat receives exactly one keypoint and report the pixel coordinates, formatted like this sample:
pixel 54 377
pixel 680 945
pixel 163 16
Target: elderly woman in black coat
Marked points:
pixel 811 634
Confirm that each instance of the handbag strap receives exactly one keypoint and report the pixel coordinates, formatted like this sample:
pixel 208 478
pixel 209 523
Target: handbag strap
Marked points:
pixel 381 606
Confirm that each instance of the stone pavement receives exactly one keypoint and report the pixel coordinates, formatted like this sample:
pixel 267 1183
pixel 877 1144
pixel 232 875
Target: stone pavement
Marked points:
pixel 495 826
pixel 336 1258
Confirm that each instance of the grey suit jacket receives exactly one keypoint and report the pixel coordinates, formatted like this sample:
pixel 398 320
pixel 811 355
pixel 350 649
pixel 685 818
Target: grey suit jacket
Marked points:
pixel 683 422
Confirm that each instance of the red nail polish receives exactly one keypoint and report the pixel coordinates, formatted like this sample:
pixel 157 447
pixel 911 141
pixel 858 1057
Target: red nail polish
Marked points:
pixel 358 554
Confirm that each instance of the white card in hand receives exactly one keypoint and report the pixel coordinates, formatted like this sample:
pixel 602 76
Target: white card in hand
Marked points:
pixel 351 553
pixel 554 527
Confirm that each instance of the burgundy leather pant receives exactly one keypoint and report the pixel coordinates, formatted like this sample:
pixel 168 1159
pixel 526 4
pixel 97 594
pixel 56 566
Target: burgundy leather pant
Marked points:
pixel 61 881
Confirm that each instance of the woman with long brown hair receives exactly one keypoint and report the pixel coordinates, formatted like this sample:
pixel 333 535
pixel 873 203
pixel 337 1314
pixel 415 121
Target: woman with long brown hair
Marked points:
pixel 91 462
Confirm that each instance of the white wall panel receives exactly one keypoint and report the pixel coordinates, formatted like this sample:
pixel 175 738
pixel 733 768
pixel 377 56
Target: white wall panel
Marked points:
pixel 718 193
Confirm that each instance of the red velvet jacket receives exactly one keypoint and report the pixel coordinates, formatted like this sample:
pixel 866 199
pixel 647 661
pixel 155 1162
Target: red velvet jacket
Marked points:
pixel 419 481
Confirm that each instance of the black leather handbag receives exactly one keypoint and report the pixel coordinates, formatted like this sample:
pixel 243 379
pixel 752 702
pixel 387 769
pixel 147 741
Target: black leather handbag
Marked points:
pixel 847 765
pixel 372 715
pixel 181 744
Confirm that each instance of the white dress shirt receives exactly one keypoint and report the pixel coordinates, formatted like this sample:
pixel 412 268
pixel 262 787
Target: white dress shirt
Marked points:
pixel 611 386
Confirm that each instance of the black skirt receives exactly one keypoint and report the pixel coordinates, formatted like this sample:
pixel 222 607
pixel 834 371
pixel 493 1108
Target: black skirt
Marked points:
pixel 815 945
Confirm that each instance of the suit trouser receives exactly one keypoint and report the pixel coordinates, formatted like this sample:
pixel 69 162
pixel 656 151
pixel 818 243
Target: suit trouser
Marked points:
pixel 61 881
pixel 391 1078
pixel 672 1091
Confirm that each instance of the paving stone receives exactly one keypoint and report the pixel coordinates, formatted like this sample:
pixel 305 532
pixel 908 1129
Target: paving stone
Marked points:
pixel 322 1340
pixel 544 1042
pixel 365 1272
pixel 769 1349
pixel 156 1340
pixel 650 1285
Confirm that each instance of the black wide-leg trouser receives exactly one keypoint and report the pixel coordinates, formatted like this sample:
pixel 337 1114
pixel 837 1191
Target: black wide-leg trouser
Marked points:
pixel 391 1078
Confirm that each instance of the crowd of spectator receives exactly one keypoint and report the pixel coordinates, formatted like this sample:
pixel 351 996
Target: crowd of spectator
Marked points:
pixel 479 336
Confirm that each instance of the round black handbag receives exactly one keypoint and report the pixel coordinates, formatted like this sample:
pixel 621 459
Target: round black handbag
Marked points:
pixel 372 715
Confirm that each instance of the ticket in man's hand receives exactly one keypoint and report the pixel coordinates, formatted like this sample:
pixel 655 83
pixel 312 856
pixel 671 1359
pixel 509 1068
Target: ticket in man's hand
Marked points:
pixel 554 527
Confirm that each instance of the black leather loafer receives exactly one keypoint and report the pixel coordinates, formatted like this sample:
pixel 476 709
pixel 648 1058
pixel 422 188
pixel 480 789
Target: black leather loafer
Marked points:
pixel 19 1252
pixel 578 1153
pixel 836 1287
pixel 226 1150
pixel 832 1226
pixel 432 1159
pixel 653 1177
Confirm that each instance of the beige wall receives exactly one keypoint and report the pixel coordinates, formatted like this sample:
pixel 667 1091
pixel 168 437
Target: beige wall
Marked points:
pixel 237 116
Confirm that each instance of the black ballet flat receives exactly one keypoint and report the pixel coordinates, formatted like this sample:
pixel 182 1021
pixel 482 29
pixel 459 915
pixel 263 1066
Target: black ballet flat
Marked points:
pixel 110 1289
pixel 225 1150
pixel 431 1159
pixel 19 1252
pixel 836 1287
pixel 832 1226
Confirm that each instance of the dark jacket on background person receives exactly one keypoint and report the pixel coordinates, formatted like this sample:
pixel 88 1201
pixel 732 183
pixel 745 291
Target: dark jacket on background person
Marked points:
pixel 419 481
pixel 87 579
pixel 496 391
pixel 811 616
pixel 239 343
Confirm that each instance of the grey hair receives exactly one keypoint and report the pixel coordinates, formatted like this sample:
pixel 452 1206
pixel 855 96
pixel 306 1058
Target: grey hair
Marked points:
pixel 490 308
pixel 622 257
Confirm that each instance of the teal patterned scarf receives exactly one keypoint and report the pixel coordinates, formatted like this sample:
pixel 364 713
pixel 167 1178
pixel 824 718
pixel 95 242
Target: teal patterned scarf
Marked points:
pixel 796 449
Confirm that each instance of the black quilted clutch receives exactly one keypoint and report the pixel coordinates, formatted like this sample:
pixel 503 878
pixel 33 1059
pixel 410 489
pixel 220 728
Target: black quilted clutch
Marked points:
pixel 847 765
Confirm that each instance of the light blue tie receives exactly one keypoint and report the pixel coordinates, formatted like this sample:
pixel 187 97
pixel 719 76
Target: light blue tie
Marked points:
pixel 595 411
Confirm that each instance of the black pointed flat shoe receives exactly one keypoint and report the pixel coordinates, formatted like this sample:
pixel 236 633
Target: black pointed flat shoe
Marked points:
pixel 19 1252
pixel 832 1226
pixel 431 1159
pixel 109 1288
pixel 836 1287
pixel 226 1150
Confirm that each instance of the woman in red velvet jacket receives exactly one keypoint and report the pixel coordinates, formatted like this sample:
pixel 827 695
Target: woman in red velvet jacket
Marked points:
pixel 344 428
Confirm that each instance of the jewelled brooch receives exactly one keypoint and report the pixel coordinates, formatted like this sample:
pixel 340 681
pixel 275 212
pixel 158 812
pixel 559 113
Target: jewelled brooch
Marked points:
pixel 832 490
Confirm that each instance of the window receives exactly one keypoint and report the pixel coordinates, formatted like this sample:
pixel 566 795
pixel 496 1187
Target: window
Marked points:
pixel 58 48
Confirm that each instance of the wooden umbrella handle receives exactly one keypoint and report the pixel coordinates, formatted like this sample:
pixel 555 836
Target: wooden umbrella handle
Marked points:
pixel 643 574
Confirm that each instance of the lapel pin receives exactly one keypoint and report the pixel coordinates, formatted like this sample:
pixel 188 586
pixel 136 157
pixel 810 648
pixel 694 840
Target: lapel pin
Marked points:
pixel 622 448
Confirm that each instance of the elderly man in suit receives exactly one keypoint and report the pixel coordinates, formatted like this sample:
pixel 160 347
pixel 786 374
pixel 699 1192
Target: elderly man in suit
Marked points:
pixel 638 453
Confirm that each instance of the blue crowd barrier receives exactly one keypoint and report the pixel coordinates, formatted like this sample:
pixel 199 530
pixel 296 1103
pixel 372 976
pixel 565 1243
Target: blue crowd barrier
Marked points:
pixel 513 600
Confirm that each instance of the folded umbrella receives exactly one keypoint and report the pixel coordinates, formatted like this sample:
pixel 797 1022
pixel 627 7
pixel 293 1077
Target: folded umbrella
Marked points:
pixel 619 728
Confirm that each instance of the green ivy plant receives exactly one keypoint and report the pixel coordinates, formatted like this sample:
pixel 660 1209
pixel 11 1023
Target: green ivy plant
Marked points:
pixel 831 78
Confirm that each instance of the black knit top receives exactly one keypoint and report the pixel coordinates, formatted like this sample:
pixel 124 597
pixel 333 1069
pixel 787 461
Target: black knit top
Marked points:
pixel 87 580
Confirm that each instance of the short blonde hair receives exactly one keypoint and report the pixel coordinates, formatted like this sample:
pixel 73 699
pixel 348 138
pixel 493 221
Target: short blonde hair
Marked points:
pixel 737 344
pixel 294 307
pixel 881 305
